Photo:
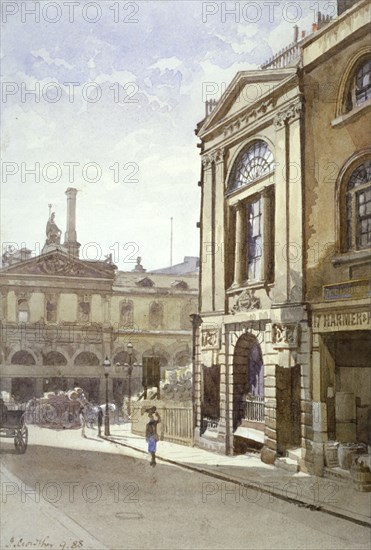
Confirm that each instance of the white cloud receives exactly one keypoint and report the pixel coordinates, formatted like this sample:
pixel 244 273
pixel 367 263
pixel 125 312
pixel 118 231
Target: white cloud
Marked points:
pixel 171 63
pixel 45 56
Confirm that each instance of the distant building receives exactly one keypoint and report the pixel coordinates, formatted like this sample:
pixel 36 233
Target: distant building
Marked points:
pixel 62 315
pixel 282 353
pixel 190 264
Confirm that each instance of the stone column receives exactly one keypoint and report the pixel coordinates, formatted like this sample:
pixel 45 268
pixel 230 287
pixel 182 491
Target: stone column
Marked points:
pixel 267 232
pixel 288 193
pixel 319 407
pixel 206 263
pixel 70 238
pixel 295 207
pixel 219 231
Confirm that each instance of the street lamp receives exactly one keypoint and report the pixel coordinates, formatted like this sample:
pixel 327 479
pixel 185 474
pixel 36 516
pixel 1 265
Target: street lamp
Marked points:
pixel 106 366
pixel 130 370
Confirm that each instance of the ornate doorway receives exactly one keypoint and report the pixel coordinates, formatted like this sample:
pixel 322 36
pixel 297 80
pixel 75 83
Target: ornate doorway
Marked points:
pixel 248 382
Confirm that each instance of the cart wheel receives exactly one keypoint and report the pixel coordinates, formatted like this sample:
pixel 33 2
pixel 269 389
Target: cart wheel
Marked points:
pixel 21 439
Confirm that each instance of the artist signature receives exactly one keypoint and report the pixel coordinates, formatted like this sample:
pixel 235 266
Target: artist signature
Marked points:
pixel 43 542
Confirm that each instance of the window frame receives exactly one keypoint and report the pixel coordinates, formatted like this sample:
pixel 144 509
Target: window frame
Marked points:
pixel 351 101
pixel 263 190
pixel 347 249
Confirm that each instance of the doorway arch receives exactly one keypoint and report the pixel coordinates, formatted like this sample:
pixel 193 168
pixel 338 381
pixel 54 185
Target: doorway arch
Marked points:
pixel 248 381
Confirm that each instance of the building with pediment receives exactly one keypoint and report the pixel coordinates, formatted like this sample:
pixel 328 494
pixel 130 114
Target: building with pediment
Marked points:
pixel 283 347
pixel 62 315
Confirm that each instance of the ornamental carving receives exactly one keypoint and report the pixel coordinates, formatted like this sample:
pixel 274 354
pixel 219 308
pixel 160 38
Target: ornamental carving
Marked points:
pixel 56 265
pixel 213 156
pixel 23 295
pixel 247 118
pixel 246 301
pixel 285 335
pixel 210 338
pixel 292 113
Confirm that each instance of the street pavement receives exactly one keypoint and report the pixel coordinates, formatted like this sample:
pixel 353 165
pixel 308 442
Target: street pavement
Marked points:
pixel 94 493
pixel 336 497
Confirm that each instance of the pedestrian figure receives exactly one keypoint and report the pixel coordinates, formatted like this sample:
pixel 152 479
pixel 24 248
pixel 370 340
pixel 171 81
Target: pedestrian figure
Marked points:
pixel 82 421
pixel 100 420
pixel 151 432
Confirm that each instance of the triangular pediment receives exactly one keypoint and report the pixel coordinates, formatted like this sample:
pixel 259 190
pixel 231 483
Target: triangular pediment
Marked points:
pixel 179 285
pixel 144 282
pixel 247 90
pixel 57 263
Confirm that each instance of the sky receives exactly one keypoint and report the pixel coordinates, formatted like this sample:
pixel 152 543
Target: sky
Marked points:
pixel 104 97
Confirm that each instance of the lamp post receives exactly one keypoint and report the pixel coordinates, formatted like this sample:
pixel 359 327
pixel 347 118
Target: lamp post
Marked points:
pixel 130 370
pixel 106 366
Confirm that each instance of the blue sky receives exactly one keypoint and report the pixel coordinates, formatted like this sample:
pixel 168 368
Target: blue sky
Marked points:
pixel 120 87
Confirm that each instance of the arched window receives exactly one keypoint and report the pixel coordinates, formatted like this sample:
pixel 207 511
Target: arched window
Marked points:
pixel 251 219
pixel 255 162
pixel 358 207
pixel 359 89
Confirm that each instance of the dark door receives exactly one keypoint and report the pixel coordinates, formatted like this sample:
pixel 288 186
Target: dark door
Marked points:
pixel 288 408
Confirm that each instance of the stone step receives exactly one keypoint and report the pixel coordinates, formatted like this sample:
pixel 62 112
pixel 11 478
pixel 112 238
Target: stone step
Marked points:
pixel 287 464
pixel 336 473
pixel 294 454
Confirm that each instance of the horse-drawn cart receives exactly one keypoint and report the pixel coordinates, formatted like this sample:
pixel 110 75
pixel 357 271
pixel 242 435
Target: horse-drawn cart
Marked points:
pixel 13 426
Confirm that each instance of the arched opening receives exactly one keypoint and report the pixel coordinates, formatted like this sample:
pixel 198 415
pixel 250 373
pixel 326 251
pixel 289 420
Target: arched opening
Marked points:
pixel 22 389
pixel 86 359
pixel 248 383
pixel 121 363
pixel 54 358
pixel 23 357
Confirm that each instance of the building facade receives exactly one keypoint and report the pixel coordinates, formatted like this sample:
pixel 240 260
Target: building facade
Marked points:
pixel 62 315
pixel 275 187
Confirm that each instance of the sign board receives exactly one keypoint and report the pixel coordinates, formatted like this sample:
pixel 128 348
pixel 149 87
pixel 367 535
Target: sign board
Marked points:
pixel 351 290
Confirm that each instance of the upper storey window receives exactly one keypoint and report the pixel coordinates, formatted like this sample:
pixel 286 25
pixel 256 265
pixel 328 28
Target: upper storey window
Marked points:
pixel 360 87
pixel 254 163
pixel 358 205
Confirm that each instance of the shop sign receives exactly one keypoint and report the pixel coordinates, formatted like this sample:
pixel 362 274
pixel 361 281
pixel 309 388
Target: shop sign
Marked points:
pixel 342 320
pixel 351 290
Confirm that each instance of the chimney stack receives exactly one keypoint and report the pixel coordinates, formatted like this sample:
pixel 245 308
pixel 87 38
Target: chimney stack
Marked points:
pixel 344 5
pixel 70 238
pixel 296 33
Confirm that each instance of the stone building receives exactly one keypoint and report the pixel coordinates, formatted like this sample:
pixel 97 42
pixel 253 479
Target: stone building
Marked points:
pixel 285 242
pixel 62 315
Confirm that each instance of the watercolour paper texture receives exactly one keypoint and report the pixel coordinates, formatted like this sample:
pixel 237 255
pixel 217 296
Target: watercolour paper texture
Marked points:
pixel 185 274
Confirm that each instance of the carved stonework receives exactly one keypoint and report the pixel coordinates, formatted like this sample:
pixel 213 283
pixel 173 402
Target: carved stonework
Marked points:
pixel 51 305
pixel 84 307
pixel 127 313
pixel 247 118
pixel 57 265
pixel 213 156
pixel 285 335
pixel 292 113
pixel 23 295
pixel 210 338
pixel 246 301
